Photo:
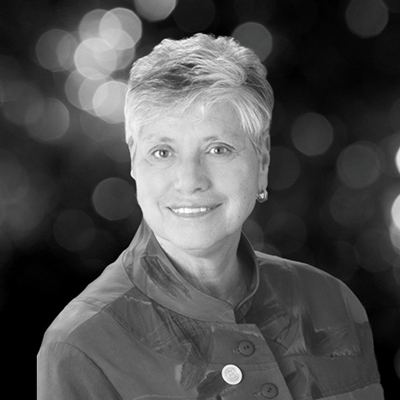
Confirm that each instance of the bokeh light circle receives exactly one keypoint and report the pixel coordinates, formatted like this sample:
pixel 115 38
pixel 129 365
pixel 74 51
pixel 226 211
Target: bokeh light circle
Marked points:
pixel 397 160
pixel 89 24
pixel 121 28
pixel 256 37
pixel 312 134
pixel 154 10
pixel 114 199
pixel 108 40
pixel 395 212
pixel 367 18
pixel 20 109
pixel 54 50
pixel 359 165
pixel 194 15
pixel 95 58
pixel 108 101
pixel 350 207
pixel 74 230
pixel 286 231
pixel 284 169
pixel 52 123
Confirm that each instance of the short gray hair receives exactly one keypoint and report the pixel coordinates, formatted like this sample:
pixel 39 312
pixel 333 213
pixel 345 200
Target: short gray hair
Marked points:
pixel 201 70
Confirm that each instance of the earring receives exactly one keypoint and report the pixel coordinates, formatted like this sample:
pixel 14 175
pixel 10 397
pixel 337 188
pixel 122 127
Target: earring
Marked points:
pixel 262 196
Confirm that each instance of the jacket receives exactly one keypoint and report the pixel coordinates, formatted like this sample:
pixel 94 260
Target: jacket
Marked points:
pixel 140 331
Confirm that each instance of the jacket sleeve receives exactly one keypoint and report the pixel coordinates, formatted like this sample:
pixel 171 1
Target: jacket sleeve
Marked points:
pixel 373 390
pixel 65 372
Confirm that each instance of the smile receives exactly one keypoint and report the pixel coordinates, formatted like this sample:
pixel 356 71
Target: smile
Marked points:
pixel 189 211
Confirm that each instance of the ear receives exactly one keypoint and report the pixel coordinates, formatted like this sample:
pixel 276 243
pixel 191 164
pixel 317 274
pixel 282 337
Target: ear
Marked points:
pixel 263 170
pixel 132 153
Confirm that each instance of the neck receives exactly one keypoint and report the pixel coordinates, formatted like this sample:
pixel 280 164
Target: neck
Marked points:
pixel 217 273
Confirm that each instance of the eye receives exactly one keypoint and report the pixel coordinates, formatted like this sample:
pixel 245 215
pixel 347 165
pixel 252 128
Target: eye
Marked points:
pixel 161 153
pixel 220 150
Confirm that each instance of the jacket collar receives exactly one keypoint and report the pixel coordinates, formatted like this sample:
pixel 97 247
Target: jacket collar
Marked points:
pixel 152 273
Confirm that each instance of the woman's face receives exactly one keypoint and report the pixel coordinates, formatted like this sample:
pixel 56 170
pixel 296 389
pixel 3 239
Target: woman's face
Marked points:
pixel 197 177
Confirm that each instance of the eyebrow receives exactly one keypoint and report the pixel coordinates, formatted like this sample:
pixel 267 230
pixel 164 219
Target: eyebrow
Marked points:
pixel 150 139
pixel 155 139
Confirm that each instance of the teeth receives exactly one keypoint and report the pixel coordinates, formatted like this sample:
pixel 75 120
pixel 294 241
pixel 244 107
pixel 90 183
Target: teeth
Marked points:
pixel 190 210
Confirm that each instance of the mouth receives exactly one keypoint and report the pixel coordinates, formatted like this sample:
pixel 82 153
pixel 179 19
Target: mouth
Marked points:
pixel 192 211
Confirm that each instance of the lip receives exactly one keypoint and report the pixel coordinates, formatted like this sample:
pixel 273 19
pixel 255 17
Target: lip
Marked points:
pixel 192 211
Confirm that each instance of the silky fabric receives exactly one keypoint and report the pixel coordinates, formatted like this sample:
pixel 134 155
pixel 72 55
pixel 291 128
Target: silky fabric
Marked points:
pixel 141 331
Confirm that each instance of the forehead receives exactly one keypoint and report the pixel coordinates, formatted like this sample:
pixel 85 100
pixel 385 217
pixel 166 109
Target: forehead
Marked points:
pixel 219 120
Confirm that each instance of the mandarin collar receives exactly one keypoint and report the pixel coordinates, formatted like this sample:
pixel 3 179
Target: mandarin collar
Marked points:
pixel 151 271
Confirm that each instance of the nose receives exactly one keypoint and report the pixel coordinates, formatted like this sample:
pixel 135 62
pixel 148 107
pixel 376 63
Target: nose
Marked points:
pixel 191 175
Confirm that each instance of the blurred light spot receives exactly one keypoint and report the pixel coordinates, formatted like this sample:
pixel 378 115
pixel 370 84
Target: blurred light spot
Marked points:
pixel 108 41
pixel 348 259
pixel 71 88
pixel 369 246
pixel 366 18
pixel 14 180
pixel 351 208
pixel 121 28
pixel 25 214
pixel 394 232
pixel 312 134
pixel 95 58
pixel 74 230
pixel 89 24
pixel 55 49
pixel 24 200
pixel 359 165
pixel 389 252
pixel 86 92
pixel 9 74
pixel 194 15
pixel 81 90
pixel 108 101
pixel 395 212
pixel 397 159
pixel 390 147
pixel 394 115
pixel 116 150
pixel 94 127
pixel 52 122
pixel 18 108
pixel 284 168
pixel 22 219
pixel 114 199
pixel 154 10
pixel 256 37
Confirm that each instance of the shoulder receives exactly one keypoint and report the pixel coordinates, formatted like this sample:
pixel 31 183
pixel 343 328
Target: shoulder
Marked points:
pixel 90 309
pixel 311 286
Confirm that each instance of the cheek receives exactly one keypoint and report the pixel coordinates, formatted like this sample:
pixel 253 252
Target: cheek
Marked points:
pixel 148 188
pixel 244 190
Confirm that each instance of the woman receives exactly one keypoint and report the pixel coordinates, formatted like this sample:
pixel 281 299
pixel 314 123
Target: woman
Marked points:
pixel 189 310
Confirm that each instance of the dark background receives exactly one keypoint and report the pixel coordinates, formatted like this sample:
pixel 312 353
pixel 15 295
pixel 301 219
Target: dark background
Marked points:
pixel 67 205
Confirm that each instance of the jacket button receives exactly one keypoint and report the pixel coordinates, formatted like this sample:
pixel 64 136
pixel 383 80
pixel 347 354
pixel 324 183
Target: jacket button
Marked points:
pixel 269 390
pixel 231 374
pixel 246 348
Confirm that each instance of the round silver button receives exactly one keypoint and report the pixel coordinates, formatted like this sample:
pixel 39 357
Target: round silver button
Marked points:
pixel 269 390
pixel 231 374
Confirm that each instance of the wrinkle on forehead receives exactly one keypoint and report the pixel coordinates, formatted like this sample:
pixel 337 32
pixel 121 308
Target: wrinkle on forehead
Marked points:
pixel 222 119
